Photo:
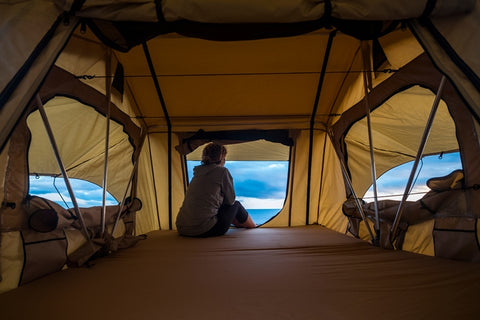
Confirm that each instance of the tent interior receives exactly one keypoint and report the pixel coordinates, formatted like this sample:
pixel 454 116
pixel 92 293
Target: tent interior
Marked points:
pixel 125 96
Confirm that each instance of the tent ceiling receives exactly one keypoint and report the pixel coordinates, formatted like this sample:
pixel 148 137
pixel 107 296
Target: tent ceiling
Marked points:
pixel 205 83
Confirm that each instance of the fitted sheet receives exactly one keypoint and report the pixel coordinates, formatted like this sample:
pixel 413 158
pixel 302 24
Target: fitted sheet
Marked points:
pixel 265 273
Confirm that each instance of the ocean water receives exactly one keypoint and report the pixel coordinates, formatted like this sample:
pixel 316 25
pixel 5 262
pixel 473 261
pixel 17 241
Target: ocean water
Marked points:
pixel 260 216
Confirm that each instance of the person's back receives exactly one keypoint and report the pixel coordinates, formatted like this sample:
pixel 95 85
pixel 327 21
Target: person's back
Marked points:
pixel 211 186
pixel 209 207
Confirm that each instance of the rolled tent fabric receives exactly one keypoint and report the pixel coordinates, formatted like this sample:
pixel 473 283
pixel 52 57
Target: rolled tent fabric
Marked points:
pixel 245 11
pixel 287 11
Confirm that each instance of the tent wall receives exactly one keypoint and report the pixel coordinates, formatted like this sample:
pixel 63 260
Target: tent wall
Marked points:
pixel 148 217
pixel 332 194
pixel 324 204
pixel 30 43
pixel 455 50
pixel 403 80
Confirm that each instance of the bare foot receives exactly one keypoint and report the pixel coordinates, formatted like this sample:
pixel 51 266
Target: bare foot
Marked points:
pixel 249 224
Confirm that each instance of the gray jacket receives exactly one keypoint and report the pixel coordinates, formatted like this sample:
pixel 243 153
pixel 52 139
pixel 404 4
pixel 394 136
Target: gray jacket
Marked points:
pixel 211 186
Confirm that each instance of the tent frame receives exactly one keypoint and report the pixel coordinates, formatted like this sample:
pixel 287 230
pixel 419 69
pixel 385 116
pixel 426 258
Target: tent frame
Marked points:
pixel 419 155
pixel 62 168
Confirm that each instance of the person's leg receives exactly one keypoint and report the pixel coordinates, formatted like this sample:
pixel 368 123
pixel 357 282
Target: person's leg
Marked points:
pixel 242 218
pixel 225 217
pixel 228 215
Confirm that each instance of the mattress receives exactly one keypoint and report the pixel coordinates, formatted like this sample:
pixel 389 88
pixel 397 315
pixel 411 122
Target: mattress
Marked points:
pixel 265 273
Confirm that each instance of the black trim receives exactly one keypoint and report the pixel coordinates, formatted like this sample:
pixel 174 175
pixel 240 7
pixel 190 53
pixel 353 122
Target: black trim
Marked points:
pixel 123 36
pixel 153 180
pixel 327 10
pixel 365 29
pixel 277 136
pixel 429 7
pixel 24 259
pixel 321 175
pixel 290 182
pixel 43 241
pixel 76 6
pixel 158 8
pixel 454 230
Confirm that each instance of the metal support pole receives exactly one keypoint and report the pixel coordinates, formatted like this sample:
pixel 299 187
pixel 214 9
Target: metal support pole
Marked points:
pixel 367 84
pixel 169 131
pixel 108 84
pixel 321 80
pixel 421 148
pixel 41 109
pixel 350 186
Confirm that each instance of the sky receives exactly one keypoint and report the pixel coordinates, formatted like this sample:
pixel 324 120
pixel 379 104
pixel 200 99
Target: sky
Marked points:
pixel 262 184
pixel 86 193
pixel 258 184
pixel 394 181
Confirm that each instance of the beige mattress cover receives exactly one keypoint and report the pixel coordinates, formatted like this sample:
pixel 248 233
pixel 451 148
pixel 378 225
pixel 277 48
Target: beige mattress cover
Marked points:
pixel 265 273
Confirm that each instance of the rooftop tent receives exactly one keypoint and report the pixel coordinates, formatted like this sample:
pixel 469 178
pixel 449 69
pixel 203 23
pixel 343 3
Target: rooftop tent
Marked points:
pixel 301 74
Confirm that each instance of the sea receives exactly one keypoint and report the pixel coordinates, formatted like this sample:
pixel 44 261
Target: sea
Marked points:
pixel 260 216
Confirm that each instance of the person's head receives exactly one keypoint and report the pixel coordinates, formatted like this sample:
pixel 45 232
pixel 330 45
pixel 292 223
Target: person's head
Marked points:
pixel 214 153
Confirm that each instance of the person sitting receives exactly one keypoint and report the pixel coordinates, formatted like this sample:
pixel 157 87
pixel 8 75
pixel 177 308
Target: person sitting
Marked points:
pixel 209 207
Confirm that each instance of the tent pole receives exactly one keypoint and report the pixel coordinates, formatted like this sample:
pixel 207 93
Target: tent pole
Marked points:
pixel 350 186
pixel 169 132
pixel 312 120
pixel 61 166
pixel 421 148
pixel 367 85
pixel 108 84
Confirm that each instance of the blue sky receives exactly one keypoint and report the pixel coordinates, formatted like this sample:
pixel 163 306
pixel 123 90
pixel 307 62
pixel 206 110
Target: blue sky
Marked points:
pixel 393 182
pixel 262 184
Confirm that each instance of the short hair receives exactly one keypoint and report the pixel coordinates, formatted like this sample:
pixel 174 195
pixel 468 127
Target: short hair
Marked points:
pixel 213 153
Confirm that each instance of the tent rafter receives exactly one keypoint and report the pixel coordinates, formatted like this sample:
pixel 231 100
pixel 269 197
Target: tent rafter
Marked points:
pixel 420 151
pixel 321 79
pixel 169 128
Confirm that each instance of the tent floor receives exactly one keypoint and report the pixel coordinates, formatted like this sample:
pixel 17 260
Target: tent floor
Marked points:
pixel 265 273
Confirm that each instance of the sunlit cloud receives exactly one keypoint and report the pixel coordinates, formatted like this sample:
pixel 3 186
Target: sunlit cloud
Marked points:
pixel 256 203
pixel 396 193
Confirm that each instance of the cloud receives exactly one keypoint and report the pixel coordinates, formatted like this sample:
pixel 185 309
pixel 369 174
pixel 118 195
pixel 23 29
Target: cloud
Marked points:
pixel 262 179
pixel 258 184
pixel 86 193
pixel 260 189
pixel 391 185
pixel 256 203
pixel 396 193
